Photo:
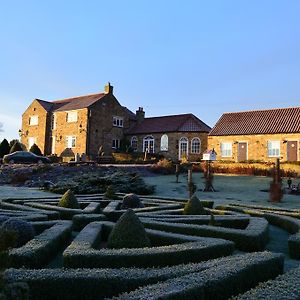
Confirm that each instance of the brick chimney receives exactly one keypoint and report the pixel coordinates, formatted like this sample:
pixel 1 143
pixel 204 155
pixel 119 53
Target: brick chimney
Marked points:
pixel 108 89
pixel 140 115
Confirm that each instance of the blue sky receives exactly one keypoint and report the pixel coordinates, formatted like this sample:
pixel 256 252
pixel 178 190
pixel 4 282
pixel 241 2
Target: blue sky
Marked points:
pixel 171 57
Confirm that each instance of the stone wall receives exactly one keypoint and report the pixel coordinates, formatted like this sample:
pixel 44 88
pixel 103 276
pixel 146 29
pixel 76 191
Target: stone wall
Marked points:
pixel 257 145
pixel 173 144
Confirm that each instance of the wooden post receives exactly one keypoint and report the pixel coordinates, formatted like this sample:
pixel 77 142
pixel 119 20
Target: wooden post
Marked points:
pixel 191 186
pixel 177 172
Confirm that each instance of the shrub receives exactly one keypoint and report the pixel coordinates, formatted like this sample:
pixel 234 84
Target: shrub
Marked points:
pixel 7 239
pixel 35 149
pixel 68 200
pixel 24 230
pixel 110 193
pixel 16 147
pixel 131 201
pixel 3 219
pixel 4 148
pixel 193 207
pixel 163 166
pixel 128 232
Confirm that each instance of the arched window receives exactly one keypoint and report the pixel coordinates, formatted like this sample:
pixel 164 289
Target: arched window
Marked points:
pixel 195 146
pixel 183 148
pixel 134 143
pixel 148 144
pixel 164 143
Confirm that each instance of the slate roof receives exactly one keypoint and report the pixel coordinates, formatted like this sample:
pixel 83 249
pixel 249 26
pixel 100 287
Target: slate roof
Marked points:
pixel 271 121
pixel 71 103
pixel 173 123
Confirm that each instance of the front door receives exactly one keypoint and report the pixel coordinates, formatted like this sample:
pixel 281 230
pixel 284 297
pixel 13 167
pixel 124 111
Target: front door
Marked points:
pixel 292 150
pixel 242 151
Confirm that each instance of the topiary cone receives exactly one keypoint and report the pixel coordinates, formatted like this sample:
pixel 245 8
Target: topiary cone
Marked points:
pixel 193 207
pixel 68 200
pixel 128 232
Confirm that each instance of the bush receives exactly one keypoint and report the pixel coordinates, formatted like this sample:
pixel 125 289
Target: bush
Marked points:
pixel 131 201
pixel 16 147
pixel 193 207
pixel 128 232
pixel 7 239
pixel 68 200
pixel 110 193
pixel 36 150
pixel 163 166
pixel 4 148
pixel 3 219
pixel 24 230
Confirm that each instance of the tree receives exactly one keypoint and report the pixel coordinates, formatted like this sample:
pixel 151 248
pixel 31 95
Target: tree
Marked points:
pixel 35 149
pixel 16 147
pixel 4 148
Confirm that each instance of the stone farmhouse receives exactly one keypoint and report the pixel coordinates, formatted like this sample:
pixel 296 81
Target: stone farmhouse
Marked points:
pixel 261 135
pixel 81 125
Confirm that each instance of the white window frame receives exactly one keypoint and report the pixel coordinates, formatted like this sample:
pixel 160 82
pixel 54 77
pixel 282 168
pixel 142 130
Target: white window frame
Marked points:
pixel 148 144
pixel 226 149
pixel 164 142
pixel 71 141
pixel 33 120
pixel 273 151
pixel 72 116
pixel 195 145
pixel 116 143
pixel 118 121
pixel 31 140
pixel 134 143
pixel 53 122
pixel 183 142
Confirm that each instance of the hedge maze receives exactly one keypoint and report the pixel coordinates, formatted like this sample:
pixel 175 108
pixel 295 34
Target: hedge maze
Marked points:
pixel 218 254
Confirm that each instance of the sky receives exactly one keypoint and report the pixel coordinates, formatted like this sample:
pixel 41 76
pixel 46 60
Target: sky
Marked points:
pixel 170 57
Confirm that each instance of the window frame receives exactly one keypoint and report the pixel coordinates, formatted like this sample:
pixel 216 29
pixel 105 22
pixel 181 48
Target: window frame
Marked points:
pixel 33 117
pixel 118 121
pixel 149 139
pixel 270 142
pixel 165 136
pixel 73 119
pixel 222 149
pixel 135 140
pixel 73 141
pixel 115 144
pixel 194 148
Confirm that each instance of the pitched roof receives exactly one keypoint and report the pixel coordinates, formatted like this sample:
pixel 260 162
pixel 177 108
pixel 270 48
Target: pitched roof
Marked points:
pixel 71 103
pixel 174 123
pixel 271 121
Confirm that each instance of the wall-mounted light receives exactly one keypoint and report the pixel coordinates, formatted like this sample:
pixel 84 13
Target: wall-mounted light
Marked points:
pixel 284 142
pixel 235 142
pixel 23 133
pixel 81 129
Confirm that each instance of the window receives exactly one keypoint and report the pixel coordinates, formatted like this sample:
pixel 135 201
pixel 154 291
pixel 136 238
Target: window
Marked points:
pixel 115 144
pixel 183 148
pixel 118 121
pixel 31 141
pixel 164 143
pixel 53 122
pixel 33 120
pixel 148 144
pixel 196 146
pixel 134 143
pixel 226 149
pixel 71 141
pixel 273 148
pixel 71 116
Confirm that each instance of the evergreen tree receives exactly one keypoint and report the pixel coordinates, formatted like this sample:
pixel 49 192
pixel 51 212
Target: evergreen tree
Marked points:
pixel 16 147
pixel 35 149
pixel 4 148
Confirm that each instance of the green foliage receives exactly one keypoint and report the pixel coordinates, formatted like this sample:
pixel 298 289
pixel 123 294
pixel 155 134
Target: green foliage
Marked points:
pixel 36 150
pixel 8 239
pixel 24 230
pixel 131 201
pixel 125 146
pixel 4 148
pixel 128 232
pixel 194 207
pixel 111 193
pixel 16 147
pixel 68 200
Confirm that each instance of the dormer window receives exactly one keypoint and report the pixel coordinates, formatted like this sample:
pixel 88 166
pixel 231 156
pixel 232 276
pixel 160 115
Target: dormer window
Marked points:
pixel 33 120
pixel 71 116
pixel 117 121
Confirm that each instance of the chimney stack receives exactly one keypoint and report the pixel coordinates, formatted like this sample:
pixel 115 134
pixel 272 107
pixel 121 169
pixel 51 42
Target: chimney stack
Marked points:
pixel 108 89
pixel 140 115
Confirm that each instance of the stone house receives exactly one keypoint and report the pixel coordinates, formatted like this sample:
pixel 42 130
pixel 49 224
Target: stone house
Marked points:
pixel 175 137
pixel 80 125
pixel 260 135
pixel 76 125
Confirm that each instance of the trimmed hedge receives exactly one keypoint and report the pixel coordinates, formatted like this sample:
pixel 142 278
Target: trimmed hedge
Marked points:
pixel 80 221
pixel 38 251
pixel 219 282
pixel 283 287
pixel 94 284
pixel 253 238
pixel 82 252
